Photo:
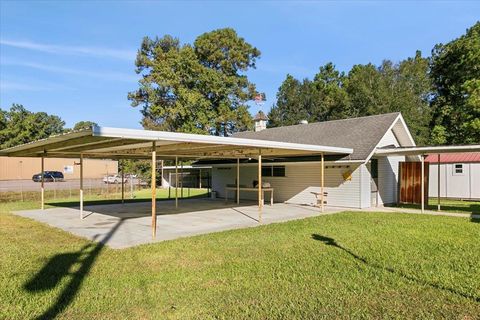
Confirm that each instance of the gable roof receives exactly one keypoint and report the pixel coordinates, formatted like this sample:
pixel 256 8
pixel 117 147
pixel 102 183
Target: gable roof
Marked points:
pixel 362 134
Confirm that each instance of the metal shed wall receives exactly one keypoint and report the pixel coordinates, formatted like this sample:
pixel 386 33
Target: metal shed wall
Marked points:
pixel 461 186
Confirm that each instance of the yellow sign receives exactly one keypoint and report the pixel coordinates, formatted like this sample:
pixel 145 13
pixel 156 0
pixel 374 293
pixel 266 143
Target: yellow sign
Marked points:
pixel 347 175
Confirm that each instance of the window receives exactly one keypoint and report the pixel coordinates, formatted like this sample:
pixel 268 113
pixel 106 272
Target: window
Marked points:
pixel 458 169
pixel 273 171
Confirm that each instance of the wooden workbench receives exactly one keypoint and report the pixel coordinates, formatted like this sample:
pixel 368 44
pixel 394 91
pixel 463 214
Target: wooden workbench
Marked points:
pixel 227 189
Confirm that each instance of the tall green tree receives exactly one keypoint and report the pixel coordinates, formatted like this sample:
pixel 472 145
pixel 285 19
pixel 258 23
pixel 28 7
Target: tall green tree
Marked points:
pixel 83 125
pixel 456 76
pixel 322 99
pixel 289 108
pixel 199 87
pixel 403 87
pixel 366 90
pixel 18 126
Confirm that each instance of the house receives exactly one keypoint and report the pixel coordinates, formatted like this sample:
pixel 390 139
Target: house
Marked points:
pixel 361 179
pixel 459 175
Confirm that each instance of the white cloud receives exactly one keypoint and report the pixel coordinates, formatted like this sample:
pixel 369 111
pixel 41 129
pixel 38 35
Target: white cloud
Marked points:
pixel 106 75
pixel 121 54
pixel 23 86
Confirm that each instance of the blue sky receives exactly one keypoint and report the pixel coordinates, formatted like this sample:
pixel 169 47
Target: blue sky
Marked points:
pixel 76 59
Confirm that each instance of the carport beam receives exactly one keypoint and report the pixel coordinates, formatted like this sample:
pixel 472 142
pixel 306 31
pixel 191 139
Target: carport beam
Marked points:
pixel 43 184
pixel 260 186
pixel 81 186
pixel 154 189
pixel 322 182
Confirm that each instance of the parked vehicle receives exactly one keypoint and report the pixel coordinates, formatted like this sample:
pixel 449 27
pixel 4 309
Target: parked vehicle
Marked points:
pixel 130 176
pixel 49 176
pixel 114 179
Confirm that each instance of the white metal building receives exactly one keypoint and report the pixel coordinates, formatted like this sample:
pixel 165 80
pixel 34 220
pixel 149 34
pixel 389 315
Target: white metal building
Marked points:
pixel 459 175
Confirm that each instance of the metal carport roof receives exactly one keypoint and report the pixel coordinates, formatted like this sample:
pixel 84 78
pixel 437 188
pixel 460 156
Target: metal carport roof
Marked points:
pixel 120 143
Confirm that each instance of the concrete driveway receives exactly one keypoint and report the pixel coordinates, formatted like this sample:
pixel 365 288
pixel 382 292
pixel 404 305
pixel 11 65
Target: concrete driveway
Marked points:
pixel 126 225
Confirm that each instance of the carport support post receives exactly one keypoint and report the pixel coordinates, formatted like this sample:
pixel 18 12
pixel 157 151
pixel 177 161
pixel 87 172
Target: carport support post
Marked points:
pixel 123 185
pixel 422 179
pixel 81 186
pixel 438 182
pixel 322 182
pixel 176 182
pixel 181 179
pixel 260 186
pixel 238 180
pixel 43 185
pixel 154 189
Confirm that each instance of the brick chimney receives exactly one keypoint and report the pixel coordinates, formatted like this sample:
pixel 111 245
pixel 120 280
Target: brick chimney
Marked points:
pixel 260 121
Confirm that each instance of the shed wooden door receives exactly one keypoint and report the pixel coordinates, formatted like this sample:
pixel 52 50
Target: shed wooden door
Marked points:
pixel 410 184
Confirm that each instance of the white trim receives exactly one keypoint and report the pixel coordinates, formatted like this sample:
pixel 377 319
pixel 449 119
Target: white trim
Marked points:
pixel 389 128
pixel 427 150
pixel 407 130
pixel 399 118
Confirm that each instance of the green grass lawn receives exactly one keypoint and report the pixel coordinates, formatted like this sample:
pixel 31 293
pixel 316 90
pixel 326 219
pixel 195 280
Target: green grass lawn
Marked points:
pixel 459 206
pixel 346 265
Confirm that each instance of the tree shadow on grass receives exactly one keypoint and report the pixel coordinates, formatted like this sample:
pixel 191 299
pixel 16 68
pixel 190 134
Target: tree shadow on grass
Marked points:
pixel 59 266
pixel 331 242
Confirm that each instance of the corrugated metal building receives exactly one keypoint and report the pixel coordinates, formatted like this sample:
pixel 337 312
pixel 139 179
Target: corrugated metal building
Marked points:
pixel 459 175
pixel 21 168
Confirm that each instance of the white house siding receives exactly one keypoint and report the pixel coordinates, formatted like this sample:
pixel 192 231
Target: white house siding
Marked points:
pixel 300 180
pixel 365 186
pixel 388 179
pixel 388 172
pixel 462 186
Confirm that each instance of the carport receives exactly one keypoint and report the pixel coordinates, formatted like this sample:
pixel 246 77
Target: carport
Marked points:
pixel 119 143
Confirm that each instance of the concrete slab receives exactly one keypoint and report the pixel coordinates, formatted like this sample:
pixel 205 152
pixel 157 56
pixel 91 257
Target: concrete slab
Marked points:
pixel 125 225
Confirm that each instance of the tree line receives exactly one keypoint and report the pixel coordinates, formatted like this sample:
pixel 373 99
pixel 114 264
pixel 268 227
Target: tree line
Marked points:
pixel 439 96
pixel 19 125
pixel 203 88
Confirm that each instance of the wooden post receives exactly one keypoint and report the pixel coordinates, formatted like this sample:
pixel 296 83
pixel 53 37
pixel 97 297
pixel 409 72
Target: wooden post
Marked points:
pixel 176 182
pixel 260 186
pixel 238 180
pixel 438 182
pixel 322 184
pixel 154 189
pixel 422 179
pixel 42 195
pixel 81 186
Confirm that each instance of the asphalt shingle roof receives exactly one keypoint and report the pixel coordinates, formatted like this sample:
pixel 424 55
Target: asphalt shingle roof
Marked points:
pixel 362 134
